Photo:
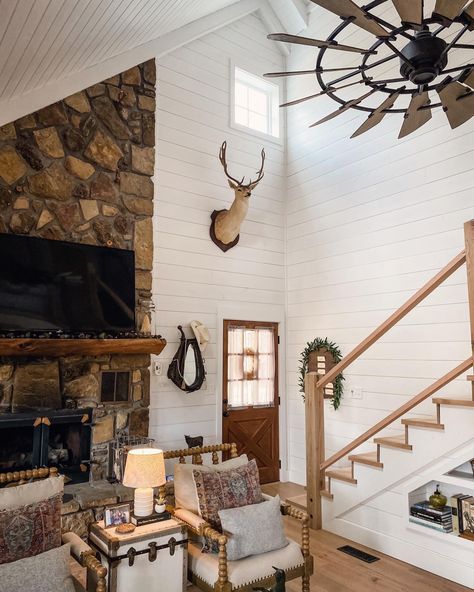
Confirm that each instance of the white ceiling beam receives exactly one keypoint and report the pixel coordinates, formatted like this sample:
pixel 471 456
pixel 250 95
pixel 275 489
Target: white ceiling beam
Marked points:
pixel 292 13
pixel 57 90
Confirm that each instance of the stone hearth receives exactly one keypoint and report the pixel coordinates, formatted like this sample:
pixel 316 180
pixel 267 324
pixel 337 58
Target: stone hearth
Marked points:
pixel 80 171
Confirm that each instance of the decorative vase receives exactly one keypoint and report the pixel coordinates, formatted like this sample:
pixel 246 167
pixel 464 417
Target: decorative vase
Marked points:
pixel 160 508
pixel 438 500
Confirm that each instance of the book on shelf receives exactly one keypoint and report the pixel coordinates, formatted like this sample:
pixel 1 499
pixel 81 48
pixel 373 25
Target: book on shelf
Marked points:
pixel 453 502
pixel 426 507
pixel 467 509
pixel 432 525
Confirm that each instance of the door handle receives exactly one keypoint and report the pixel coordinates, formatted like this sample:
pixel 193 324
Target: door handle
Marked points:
pixel 225 414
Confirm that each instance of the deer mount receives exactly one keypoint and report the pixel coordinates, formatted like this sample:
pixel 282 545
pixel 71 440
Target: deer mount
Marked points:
pixel 225 225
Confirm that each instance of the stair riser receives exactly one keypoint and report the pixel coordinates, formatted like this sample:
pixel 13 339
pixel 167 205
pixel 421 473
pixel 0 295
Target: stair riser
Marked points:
pixel 401 464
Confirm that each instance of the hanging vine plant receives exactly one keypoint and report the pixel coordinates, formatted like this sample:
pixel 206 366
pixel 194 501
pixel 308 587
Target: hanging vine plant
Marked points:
pixel 335 352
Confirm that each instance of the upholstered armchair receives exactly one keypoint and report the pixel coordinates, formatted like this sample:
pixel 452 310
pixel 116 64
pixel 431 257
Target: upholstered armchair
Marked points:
pixel 213 572
pixel 11 488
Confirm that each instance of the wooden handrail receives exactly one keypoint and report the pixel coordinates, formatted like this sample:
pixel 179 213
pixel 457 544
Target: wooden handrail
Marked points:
pixel 409 305
pixel 427 392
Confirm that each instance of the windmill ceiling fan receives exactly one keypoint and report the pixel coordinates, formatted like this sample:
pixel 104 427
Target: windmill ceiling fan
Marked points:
pixel 423 59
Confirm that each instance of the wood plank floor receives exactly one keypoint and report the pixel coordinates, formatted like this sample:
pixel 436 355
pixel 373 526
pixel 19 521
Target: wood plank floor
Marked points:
pixel 337 572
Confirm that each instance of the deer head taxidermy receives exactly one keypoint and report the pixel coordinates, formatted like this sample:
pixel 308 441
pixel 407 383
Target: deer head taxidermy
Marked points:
pixel 225 226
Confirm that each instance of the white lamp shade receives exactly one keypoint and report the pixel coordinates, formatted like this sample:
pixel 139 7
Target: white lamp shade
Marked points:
pixel 145 467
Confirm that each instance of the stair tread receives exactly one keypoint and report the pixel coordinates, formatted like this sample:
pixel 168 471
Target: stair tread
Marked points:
pixel 449 401
pixel 422 422
pixel 367 458
pixel 344 474
pixel 394 442
pixel 470 376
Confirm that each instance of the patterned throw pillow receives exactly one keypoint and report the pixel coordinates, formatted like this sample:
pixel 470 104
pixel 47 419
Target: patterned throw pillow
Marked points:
pixel 227 489
pixel 30 530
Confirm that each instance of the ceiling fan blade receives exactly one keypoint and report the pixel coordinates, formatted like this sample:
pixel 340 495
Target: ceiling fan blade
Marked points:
pixel 321 93
pixel 469 14
pixel 349 9
pixel 448 9
pixel 376 117
pixel 315 42
pixel 469 79
pixel 415 117
pixel 410 11
pixel 303 72
pixel 344 108
pixel 458 102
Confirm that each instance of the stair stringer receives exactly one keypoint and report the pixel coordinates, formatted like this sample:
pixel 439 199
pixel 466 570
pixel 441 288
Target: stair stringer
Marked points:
pixel 402 464
pixel 381 523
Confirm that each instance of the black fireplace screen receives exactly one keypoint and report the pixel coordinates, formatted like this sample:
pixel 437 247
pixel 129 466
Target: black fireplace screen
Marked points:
pixel 59 439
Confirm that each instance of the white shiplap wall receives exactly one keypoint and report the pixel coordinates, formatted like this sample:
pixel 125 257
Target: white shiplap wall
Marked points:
pixel 192 277
pixel 369 221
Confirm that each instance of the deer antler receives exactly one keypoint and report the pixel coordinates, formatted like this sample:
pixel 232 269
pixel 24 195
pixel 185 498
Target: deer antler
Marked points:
pixel 223 159
pixel 260 172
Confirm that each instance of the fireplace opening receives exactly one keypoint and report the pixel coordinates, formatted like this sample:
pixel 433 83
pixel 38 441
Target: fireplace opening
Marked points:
pixel 59 439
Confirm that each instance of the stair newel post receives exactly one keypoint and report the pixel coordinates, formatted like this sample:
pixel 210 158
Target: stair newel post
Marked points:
pixel 469 239
pixel 315 453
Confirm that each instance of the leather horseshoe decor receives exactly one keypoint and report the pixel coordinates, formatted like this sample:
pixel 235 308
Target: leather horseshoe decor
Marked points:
pixel 186 370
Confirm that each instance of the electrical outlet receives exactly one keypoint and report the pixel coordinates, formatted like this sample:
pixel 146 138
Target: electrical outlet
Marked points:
pixel 157 368
pixel 356 392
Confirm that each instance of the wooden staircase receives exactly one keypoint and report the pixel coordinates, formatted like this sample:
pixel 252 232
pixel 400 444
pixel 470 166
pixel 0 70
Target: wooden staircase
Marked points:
pixel 400 442
pixel 321 472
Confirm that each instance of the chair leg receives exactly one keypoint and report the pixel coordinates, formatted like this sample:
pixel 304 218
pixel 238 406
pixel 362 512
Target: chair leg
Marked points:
pixel 305 583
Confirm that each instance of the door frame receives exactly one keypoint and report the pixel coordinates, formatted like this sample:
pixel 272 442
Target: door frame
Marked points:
pixel 264 313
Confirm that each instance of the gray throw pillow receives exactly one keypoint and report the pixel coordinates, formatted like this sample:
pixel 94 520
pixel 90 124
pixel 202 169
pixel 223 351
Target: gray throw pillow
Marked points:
pixel 46 572
pixel 254 529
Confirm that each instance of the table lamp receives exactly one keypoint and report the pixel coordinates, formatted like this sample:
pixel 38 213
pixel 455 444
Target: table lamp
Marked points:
pixel 144 469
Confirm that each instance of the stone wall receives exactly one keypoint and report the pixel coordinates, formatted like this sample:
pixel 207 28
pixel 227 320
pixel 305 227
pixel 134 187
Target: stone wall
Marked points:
pixel 80 170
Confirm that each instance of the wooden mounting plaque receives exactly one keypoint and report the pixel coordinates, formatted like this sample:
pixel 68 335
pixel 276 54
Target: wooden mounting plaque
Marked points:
pixel 56 348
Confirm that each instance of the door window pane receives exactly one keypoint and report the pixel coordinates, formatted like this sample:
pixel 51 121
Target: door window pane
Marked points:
pixel 250 366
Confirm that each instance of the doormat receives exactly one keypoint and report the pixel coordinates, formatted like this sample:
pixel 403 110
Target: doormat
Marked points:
pixel 358 554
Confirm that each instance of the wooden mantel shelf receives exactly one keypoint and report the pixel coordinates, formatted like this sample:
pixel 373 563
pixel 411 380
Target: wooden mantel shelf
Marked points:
pixel 56 348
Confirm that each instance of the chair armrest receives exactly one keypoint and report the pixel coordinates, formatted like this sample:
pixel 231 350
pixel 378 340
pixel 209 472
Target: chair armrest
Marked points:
pixel 303 517
pixel 86 557
pixel 221 539
pixel 78 546
pixel 192 520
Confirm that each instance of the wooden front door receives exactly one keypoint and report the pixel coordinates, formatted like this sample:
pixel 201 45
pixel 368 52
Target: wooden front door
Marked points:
pixel 250 393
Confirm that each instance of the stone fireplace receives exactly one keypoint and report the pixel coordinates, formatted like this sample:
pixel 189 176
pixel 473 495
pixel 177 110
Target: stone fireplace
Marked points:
pixel 80 171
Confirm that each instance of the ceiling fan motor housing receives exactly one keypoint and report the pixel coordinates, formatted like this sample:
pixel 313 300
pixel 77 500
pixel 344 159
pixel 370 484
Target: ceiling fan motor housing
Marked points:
pixel 425 56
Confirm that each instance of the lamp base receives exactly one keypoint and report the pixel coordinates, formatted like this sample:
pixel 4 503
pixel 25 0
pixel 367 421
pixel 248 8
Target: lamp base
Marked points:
pixel 143 501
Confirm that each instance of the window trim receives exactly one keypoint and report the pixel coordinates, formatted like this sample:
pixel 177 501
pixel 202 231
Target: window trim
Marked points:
pixel 248 130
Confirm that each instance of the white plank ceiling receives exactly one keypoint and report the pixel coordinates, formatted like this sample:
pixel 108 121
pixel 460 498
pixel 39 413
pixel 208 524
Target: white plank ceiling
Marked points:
pixel 42 41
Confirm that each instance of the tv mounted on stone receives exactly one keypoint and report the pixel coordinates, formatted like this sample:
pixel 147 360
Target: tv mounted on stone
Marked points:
pixel 54 287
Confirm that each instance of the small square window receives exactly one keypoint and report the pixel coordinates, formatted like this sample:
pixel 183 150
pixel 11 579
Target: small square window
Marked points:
pixel 256 103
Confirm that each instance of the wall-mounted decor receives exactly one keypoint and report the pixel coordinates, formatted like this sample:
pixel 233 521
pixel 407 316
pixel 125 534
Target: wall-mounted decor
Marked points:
pixel 417 42
pixel 321 355
pixel 225 226
pixel 186 370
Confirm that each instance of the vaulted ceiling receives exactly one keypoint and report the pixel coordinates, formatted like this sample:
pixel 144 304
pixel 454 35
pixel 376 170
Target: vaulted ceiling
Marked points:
pixel 43 40
pixel 48 48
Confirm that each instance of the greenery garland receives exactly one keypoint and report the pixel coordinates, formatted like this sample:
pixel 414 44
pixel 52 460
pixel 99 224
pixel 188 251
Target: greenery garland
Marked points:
pixel 333 349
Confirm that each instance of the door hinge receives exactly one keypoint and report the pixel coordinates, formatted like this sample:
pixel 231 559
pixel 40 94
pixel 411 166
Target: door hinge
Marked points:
pixel 278 340
pixel 279 464
pixel 279 400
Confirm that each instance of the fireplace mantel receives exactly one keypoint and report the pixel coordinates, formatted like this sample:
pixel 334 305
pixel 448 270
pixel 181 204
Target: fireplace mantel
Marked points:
pixel 56 348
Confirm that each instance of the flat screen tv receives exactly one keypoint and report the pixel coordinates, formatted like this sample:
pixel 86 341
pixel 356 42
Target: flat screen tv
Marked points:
pixel 48 285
